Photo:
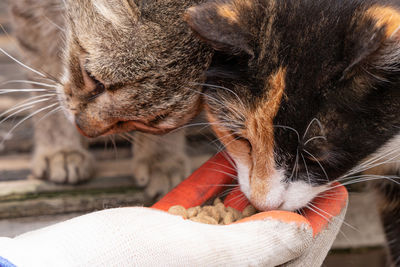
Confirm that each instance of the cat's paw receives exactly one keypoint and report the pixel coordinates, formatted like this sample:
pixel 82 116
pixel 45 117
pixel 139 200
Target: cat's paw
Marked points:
pixel 160 174
pixel 64 166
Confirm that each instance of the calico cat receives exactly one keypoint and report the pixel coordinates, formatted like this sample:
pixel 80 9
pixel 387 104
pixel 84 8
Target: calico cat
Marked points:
pixel 304 93
pixel 122 65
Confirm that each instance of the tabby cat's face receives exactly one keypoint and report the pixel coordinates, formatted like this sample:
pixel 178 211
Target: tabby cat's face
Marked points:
pixel 306 90
pixel 129 65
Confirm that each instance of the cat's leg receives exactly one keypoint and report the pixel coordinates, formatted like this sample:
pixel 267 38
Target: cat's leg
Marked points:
pixel 160 162
pixel 59 155
pixel 38 28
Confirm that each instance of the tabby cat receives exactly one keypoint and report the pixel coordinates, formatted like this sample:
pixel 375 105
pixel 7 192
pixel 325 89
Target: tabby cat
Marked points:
pixel 122 65
pixel 305 93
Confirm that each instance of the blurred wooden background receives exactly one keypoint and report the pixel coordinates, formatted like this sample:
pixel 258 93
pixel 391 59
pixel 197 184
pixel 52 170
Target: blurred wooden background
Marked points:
pixel 27 204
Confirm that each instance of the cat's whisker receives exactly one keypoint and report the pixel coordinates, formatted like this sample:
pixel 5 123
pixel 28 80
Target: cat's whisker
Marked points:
pixel 241 199
pixel 289 128
pixel 220 185
pixel 21 108
pixel 223 88
pixel 227 192
pixel 151 138
pixel 21 64
pixel 318 213
pixel 325 197
pixel 218 101
pixel 370 165
pixel 294 165
pixel 54 24
pixel 367 175
pixel 15 113
pixel 31 101
pixel 301 212
pixel 314 138
pixel 235 200
pixel 112 138
pixel 55 110
pixel 297 168
pixel 220 139
pixel 229 159
pixel 108 138
pixel 341 220
pixel 379 157
pixel 364 179
pixel 131 139
pixel 225 145
pixel 29 82
pixel 122 135
pixel 327 213
pixel 305 165
pixel 193 125
pixel 6 91
pixel 395 151
pixel 25 119
pixel 319 163
pixel 309 125
pixel 204 94
pixel 225 166
pixel 51 79
pixel 223 172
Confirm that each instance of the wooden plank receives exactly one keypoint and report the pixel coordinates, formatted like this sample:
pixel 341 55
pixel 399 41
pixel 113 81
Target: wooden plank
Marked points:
pixel 72 203
pixel 111 175
pixel 113 188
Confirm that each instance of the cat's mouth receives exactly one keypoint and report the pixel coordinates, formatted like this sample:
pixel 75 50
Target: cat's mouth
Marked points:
pixel 125 126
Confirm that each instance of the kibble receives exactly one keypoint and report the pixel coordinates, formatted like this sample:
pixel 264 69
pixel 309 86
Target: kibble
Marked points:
pixel 248 211
pixel 213 214
pixel 192 212
pixel 178 210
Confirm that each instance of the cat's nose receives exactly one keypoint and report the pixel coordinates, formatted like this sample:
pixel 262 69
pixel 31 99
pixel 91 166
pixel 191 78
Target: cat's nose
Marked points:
pixel 80 126
pixel 267 194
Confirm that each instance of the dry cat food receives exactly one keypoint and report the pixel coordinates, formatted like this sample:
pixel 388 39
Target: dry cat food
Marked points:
pixel 213 214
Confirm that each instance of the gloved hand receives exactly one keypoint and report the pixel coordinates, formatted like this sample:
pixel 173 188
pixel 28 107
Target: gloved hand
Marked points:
pixel 150 237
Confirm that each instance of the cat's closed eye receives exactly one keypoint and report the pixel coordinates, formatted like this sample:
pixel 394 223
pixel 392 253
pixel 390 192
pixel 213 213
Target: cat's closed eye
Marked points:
pixel 96 87
pixel 243 140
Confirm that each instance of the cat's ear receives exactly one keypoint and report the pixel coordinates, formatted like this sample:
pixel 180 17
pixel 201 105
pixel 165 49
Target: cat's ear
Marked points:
pixel 224 24
pixel 374 41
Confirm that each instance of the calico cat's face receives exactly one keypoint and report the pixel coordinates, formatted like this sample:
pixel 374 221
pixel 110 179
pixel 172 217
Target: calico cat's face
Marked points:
pixel 130 65
pixel 306 90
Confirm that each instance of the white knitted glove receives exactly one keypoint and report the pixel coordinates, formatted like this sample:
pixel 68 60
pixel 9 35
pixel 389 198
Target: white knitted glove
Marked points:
pixel 150 237
pixel 145 237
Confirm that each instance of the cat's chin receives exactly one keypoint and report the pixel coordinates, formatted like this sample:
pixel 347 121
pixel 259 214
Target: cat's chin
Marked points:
pixel 125 126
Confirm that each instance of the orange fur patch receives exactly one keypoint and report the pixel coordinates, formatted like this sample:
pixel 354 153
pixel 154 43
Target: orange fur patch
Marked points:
pixel 261 134
pixel 385 17
pixel 236 148
pixel 231 11
pixel 228 12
